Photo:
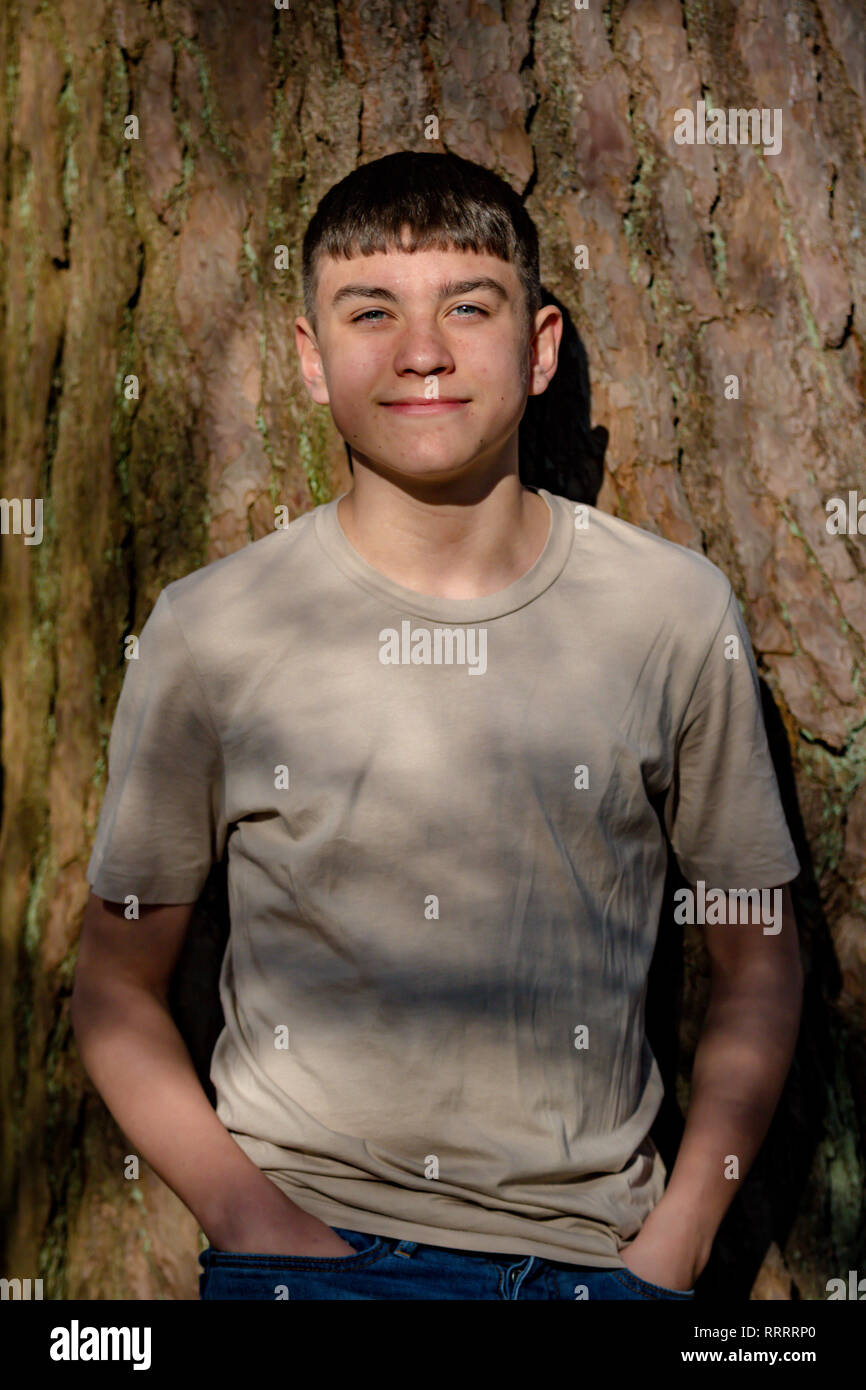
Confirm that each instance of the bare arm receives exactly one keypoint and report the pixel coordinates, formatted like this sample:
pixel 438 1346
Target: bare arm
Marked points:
pixel 137 1060
pixel 746 1045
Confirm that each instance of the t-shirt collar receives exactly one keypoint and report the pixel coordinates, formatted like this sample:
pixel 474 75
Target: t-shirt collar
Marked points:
pixel 453 610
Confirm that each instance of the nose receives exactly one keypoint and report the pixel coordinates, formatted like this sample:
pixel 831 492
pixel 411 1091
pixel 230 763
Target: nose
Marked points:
pixel 422 349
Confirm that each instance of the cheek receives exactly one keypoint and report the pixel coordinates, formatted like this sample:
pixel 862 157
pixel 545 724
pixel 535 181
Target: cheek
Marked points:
pixel 354 384
pixel 506 379
pixel 353 373
pixel 504 365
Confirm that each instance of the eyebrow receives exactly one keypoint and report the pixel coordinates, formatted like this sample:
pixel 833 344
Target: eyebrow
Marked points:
pixel 450 287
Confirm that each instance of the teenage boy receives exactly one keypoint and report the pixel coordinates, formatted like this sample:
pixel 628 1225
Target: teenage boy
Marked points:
pixel 439 723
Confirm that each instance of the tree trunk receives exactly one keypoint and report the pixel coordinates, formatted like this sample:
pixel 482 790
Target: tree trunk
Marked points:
pixel 153 402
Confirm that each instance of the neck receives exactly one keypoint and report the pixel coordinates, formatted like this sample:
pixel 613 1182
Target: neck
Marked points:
pixel 472 539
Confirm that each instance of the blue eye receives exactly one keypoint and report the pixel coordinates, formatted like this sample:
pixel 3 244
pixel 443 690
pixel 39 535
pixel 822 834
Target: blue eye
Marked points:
pixel 366 315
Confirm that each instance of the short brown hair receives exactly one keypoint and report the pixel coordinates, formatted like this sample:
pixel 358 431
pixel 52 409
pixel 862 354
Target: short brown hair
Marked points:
pixel 445 201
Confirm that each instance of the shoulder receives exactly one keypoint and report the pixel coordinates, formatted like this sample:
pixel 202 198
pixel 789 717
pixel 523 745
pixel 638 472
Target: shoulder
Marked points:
pixel 645 573
pixel 233 588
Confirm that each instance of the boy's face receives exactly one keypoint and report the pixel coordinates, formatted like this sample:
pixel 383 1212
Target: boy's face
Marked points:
pixel 399 327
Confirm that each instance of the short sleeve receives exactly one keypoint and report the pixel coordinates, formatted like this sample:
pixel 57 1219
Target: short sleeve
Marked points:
pixel 161 825
pixel 723 811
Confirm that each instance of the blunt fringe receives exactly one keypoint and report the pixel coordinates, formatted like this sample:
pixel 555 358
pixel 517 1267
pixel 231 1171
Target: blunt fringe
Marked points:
pixel 444 201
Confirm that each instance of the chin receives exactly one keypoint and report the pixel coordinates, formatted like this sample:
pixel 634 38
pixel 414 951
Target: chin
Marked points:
pixel 424 469
pixel 434 472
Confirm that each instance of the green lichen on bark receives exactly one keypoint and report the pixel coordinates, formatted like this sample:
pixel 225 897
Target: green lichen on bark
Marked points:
pixel 313 451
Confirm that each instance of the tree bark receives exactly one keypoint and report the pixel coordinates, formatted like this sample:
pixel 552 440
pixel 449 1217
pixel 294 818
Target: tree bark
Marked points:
pixel 154 258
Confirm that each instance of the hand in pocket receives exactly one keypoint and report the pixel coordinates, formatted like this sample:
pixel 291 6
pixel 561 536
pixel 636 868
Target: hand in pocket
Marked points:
pixel 280 1228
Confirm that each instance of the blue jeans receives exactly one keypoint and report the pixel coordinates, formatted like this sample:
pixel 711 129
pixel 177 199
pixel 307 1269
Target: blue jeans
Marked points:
pixel 386 1268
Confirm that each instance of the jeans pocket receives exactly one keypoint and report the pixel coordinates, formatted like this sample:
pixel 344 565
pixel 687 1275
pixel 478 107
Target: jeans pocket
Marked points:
pixel 365 1246
pixel 633 1281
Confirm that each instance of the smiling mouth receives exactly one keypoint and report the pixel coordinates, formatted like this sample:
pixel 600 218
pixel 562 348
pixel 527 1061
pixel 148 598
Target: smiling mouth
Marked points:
pixel 423 406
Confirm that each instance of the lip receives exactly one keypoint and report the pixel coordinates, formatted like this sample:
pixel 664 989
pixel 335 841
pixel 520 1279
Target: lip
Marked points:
pixel 420 405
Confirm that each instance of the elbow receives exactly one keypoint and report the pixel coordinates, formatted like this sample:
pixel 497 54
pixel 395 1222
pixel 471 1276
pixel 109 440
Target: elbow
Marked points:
pixel 87 1002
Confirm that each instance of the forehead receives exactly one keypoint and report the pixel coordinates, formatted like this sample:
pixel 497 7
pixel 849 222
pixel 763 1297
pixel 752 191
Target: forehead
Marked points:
pixel 416 274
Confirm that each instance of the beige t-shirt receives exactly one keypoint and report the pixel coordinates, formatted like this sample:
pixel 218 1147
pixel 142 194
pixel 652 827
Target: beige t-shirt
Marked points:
pixel 445 872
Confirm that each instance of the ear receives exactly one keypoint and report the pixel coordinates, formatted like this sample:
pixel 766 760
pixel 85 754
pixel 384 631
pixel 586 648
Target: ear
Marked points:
pixel 544 348
pixel 310 357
